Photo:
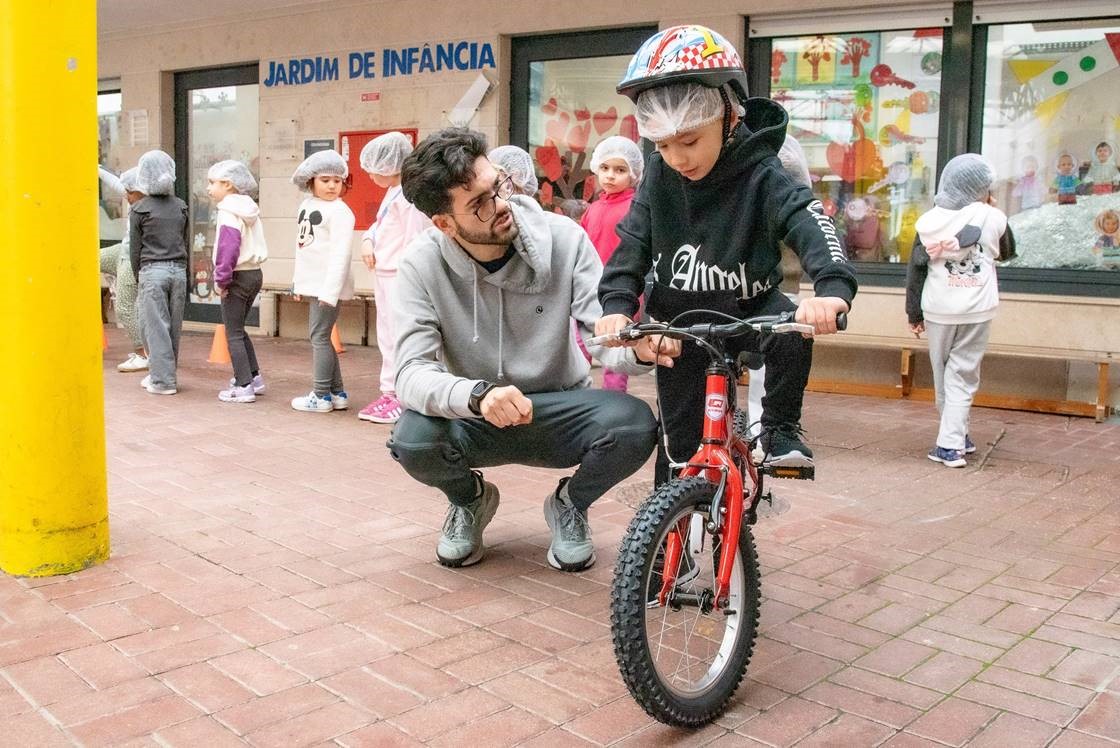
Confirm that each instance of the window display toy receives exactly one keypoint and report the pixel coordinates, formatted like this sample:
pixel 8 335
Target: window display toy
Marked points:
pixel 862 233
pixel 1066 181
pixel 1107 246
pixel 1103 174
pixel 859 159
pixel 882 75
pixel 893 135
pixel 1029 188
pixel 898 173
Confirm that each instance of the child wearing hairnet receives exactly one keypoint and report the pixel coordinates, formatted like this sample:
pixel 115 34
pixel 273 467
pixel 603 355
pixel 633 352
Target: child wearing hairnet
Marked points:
pixel 516 164
pixel 116 261
pixel 324 231
pixel 159 234
pixel 398 221
pixel 708 219
pixel 239 251
pixel 951 293
pixel 617 165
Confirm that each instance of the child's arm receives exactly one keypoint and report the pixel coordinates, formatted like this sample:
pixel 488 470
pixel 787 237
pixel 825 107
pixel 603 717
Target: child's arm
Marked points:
pixel 135 239
pixel 369 238
pixel 338 260
pixel 227 249
pixel 916 272
pixel 624 276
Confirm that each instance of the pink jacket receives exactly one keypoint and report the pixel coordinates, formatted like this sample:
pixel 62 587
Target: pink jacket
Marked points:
pixel 398 223
pixel 601 218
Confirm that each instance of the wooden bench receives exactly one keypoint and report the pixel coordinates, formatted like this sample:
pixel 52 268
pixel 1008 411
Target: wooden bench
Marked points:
pixel 905 388
pixel 365 298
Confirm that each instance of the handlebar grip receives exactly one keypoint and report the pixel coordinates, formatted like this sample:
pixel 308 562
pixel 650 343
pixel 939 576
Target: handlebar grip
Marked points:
pixel 842 321
pixel 601 339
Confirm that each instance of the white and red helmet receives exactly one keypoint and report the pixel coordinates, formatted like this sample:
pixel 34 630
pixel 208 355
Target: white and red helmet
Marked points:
pixel 685 54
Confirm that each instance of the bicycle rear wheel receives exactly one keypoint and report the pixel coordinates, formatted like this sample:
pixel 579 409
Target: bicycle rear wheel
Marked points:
pixel 682 661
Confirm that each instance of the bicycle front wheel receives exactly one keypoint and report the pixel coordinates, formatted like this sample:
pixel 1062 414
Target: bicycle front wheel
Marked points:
pixel 682 661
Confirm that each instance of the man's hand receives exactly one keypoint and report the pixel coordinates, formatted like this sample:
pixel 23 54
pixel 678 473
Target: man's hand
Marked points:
pixel 918 328
pixel 506 406
pixel 367 254
pixel 657 349
pixel 820 312
pixel 610 325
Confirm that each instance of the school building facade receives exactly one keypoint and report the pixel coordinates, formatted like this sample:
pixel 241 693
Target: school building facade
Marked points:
pixel 880 97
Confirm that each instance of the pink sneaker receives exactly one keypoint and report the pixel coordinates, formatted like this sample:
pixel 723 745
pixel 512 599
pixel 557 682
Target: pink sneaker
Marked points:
pixel 385 409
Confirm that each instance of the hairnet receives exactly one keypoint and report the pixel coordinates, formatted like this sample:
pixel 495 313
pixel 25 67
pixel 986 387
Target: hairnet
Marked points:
pixel 967 178
pixel 234 172
pixel 130 179
pixel 617 146
pixel 794 162
pixel 384 154
pixel 156 173
pixel 517 164
pixel 327 162
pixel 665 111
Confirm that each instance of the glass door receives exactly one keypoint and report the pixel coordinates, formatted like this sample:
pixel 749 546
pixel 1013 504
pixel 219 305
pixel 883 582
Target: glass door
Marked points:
pixel 216 118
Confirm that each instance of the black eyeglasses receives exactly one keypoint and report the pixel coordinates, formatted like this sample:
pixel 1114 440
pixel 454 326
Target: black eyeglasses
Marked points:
pixel 488 208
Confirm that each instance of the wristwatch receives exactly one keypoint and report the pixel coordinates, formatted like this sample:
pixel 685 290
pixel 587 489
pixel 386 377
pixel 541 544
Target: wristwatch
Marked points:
pixel 478 394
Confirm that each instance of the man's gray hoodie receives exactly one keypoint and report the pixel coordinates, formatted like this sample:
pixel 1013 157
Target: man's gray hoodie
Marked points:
pixel 457 324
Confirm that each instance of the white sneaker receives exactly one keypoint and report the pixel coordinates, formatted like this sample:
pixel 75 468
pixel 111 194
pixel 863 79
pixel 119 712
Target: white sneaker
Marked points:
pixel 147 380
pixel 340 400
pixel 134 362
pixel 258 384
pixel 237 394
pixel 153 390
pixel 312 403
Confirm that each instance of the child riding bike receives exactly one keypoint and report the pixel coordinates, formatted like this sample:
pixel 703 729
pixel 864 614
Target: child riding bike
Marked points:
pixel 708 217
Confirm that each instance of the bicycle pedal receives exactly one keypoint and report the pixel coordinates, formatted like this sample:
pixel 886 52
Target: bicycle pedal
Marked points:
pixel 793 472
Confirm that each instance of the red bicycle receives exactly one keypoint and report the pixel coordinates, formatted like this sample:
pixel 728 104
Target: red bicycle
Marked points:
pixel 685 597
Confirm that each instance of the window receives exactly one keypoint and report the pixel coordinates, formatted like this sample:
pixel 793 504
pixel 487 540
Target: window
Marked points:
pixel 564 102
pixel 111 214
pixel 865 109
pixel 1051 119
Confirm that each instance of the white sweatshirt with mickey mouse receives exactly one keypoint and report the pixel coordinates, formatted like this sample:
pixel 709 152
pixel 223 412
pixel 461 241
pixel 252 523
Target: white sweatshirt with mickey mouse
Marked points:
pixel 323 250
pixel 960 287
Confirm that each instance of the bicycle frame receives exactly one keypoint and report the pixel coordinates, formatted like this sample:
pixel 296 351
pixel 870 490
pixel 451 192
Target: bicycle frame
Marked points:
pixel 715 461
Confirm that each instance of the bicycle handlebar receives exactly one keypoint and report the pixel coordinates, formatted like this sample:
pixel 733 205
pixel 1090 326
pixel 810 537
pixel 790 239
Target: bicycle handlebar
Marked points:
pixel 776 323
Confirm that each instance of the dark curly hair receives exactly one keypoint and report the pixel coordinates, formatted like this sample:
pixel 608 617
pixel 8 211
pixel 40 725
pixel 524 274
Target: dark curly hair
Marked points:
pixel 443 161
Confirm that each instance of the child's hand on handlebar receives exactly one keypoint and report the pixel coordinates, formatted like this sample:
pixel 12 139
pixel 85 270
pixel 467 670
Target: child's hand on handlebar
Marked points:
pixel 610 325
pixel 506 406
pixel 656 349
pixel 821 312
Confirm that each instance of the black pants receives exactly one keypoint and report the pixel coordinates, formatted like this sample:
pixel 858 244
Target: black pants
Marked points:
pixel 788 358
pixel 608 434
pixel 237 302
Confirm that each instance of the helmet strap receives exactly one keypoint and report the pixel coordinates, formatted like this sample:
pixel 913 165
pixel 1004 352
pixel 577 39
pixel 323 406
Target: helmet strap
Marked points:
pixel 726 114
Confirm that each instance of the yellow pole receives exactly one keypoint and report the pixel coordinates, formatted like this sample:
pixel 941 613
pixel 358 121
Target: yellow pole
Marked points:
pixel 53 498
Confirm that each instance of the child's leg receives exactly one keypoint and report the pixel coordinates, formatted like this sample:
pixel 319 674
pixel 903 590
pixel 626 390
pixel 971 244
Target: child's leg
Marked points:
pixel 177 304
pixel 612 380
pixel 962 379
pixel 126 301
pixel 940 339
pixel 384 287
pixel 788 360
pixel 681 389
pixel 323 357
pixel 155 283
pixel 235 309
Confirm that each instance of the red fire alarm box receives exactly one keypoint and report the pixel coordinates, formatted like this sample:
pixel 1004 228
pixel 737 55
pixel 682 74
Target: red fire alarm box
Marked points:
pixel 364 197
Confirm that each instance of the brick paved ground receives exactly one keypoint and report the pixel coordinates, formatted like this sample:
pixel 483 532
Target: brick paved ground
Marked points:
pixel 273 582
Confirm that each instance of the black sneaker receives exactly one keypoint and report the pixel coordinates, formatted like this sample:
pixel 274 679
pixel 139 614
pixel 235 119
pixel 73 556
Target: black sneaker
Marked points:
pixel 783 446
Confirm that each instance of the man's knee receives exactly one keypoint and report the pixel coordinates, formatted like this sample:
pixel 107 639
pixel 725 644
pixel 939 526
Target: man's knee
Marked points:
pixel 629 423
pixel 418 441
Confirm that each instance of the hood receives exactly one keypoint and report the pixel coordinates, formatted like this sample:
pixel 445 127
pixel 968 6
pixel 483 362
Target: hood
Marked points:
pixel 533 246
pixel 759 135
pixel 241 206
pixel 938 224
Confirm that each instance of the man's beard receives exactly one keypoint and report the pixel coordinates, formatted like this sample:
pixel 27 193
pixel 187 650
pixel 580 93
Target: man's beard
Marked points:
pixel 489 236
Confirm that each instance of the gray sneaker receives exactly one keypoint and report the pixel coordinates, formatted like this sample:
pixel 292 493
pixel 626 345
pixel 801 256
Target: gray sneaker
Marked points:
pixel 461 541
pixel 571 548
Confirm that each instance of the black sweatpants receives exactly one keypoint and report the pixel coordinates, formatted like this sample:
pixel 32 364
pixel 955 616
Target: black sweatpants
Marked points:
pixel 788 358
pixel 609 435
pixel 236 304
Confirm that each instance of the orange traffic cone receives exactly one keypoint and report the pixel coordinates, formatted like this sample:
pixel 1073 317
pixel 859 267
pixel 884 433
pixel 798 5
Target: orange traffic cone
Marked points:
pixel 336 341
pixel 219 349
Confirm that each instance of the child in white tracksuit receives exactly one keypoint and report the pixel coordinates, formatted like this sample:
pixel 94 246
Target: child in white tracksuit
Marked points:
pixel 953 270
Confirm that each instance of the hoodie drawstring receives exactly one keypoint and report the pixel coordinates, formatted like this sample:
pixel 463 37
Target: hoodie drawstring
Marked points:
pixel 501 314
